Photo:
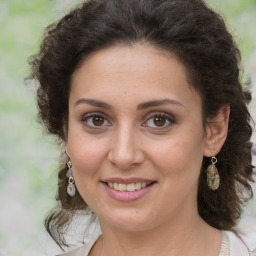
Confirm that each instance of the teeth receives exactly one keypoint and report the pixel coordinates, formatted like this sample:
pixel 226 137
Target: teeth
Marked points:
pixel 116 186
pixel 130 187
pixel 127 187
pixel 143 185
pixel 122 187
pixel 138 186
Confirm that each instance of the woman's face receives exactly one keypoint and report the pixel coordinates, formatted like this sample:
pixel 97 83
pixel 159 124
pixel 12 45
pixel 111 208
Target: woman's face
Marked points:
pixel 135 121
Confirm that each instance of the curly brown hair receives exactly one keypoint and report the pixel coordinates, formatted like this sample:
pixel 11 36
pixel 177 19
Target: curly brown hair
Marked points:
pixel 198 37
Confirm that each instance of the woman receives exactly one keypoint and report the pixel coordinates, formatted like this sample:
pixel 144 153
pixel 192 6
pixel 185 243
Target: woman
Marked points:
pixel 146 96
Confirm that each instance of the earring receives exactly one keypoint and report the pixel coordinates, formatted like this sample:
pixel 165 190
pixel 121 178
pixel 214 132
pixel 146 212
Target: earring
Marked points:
pixel 213 178
pixel 71 188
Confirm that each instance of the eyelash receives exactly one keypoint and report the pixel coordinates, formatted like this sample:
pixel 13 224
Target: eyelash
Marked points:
pixel 94 114
pixel 167 117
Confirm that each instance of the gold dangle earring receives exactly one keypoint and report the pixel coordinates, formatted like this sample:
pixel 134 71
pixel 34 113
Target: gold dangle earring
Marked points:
pixel 71 188
pixel 213 178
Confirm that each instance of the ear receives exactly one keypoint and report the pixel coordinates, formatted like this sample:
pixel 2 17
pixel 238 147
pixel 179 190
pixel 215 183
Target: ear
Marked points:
pixel 66 140
pixel 216 132
pixel 67 149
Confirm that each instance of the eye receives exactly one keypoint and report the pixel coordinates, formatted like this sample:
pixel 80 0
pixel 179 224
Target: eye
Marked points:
pixel 159 120
pixel 95 121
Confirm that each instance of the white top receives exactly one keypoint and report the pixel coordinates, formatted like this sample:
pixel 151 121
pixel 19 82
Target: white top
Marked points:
pixel 231 245
pixel 235 245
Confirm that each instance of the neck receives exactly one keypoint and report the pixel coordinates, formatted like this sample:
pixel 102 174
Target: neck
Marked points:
pixel 172 238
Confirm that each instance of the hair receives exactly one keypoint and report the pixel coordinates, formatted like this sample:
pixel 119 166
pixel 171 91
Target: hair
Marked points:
pixel 196 36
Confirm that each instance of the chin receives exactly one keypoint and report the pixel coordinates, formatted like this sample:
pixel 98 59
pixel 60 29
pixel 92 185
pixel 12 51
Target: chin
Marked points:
pixel 129 221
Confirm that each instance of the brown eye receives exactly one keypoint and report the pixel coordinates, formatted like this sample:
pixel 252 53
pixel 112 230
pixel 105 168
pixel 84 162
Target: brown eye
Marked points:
pixel 95 121
pixel 159 120
pixel 98 120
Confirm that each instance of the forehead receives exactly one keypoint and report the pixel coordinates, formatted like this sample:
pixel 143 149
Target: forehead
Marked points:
pixel 141 70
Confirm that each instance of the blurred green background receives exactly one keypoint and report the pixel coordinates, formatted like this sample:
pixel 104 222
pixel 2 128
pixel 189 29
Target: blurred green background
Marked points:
pixel 28 157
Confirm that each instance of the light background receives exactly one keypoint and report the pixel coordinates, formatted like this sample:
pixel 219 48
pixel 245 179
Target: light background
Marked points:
pixel 29 158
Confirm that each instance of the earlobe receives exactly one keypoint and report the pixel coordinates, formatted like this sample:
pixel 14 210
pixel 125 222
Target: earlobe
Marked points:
pixel 67 150
pixel 66 144
pixel 216 132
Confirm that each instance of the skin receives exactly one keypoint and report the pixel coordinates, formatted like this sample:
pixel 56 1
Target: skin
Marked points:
pixel 129 142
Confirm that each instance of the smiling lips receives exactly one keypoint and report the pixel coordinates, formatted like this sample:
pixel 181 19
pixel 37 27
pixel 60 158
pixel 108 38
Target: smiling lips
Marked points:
pixel 127 189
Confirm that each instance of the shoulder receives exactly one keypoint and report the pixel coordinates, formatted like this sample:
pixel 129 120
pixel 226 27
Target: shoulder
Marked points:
pixel 237 246
pixel 83 250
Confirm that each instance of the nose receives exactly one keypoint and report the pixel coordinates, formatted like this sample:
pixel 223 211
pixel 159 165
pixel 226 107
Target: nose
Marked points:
pixel 125 151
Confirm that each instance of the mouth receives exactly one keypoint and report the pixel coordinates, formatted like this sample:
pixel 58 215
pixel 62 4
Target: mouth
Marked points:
pixel 130 187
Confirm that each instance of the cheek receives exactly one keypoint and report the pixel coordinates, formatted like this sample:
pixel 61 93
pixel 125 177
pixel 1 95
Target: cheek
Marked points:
pixel 86 155
pixel 87 159
pixel 181 157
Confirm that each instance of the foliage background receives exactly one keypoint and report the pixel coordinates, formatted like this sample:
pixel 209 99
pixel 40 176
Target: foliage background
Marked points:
pixel 29 158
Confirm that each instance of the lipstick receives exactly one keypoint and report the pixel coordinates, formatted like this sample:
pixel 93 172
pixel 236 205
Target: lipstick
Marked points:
pixel 129 189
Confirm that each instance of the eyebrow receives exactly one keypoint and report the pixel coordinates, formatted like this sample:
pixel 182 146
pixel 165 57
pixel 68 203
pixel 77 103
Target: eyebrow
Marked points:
pixel 141 106
pixel 155 103
pixel 96 103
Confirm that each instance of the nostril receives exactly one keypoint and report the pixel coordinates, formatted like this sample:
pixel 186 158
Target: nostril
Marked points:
pixel 122 160
pixel 125 151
